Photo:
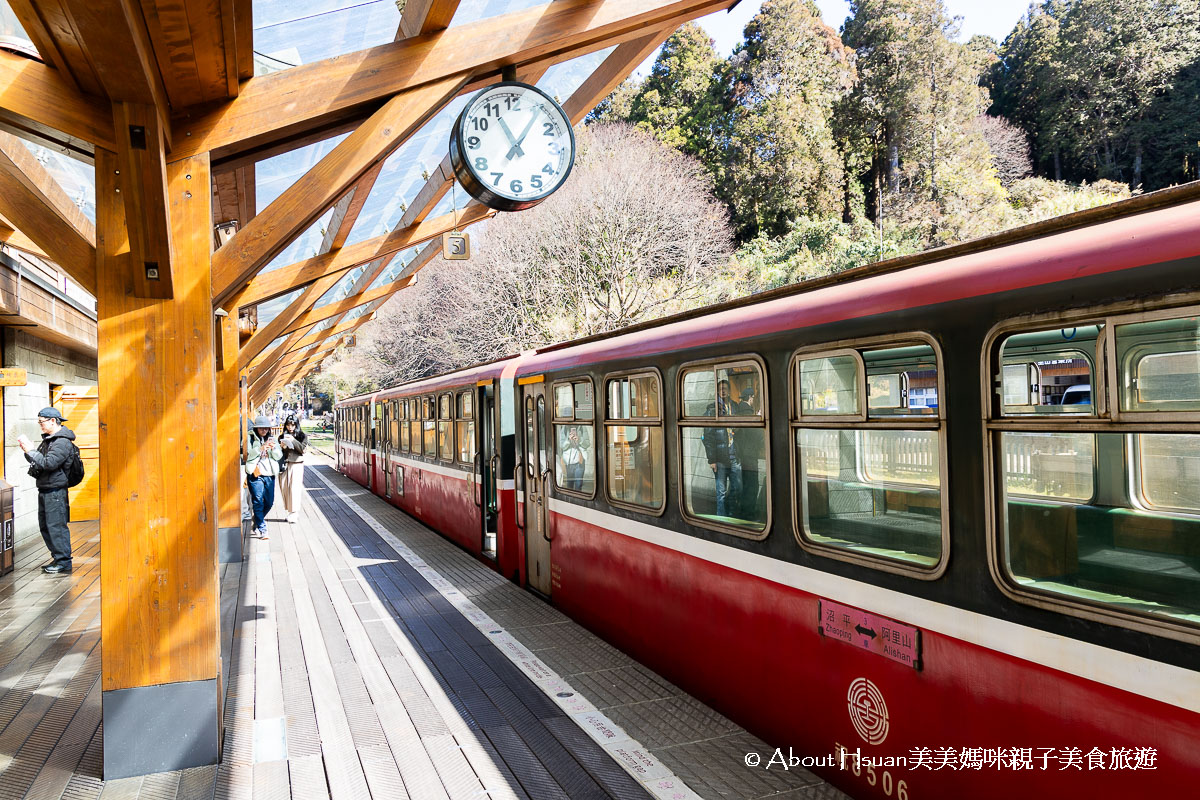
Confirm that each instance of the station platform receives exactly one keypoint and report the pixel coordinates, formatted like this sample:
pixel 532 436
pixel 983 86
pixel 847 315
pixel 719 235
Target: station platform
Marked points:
pixel 370 658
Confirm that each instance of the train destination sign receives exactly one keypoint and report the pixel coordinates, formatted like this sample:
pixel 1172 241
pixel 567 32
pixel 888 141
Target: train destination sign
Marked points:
pixel 880 635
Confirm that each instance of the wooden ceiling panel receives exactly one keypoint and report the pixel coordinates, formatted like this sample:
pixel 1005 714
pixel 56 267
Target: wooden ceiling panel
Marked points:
pixel 189 38
pixel 58 40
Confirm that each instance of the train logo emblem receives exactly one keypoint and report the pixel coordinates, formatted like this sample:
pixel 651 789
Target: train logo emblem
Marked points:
pixel 868 712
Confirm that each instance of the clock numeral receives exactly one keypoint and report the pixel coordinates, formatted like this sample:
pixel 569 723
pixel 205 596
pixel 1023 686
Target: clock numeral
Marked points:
pixel 513 103
pixel 497 176
pixel 481 164
pixel 492 109
pixel 535 181
pixel 555 149
pixel 480 123
pixel 548 128
pixel 515 187
pixel 473 142
pixel 549 170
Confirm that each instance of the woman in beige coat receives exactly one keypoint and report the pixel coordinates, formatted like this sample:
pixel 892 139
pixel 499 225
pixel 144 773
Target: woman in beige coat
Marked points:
pixel 291 483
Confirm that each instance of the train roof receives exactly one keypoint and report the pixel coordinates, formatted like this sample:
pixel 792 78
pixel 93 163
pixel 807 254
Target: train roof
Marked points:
pixel 1152 228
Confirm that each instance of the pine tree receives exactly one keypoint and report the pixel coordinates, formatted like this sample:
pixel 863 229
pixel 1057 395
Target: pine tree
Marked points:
pixel 781 86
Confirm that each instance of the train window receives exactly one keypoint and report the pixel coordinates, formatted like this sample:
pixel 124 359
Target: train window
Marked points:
pixel 414 425
pixel 575 447
pixel 405 433
pixel 429 426
pixel 870 490
pixel 1105 521
pixel 1049 371
pixel 1159 365
pixel 465 425
pixel 724 482
pixel 829 386
pixel 634 442
pixel 445 427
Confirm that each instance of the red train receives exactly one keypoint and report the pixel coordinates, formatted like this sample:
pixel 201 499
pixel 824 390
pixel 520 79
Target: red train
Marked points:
pixel 943 512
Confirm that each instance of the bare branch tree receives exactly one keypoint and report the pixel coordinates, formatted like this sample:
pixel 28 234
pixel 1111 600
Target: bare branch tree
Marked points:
pixel 634 233
pixel 1010 149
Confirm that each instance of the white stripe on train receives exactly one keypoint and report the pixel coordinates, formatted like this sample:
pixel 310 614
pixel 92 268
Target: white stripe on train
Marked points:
pixel 1155 680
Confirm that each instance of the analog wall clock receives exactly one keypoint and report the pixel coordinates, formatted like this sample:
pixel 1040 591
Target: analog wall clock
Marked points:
pixel 512 146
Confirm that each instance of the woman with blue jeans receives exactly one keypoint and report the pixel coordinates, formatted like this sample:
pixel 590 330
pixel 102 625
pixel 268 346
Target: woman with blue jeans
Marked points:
pixel 262 466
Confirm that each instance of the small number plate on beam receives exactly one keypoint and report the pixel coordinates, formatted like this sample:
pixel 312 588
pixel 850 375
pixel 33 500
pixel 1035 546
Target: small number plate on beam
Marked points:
pixel 13 376
pixel 456 246
pixel 881 635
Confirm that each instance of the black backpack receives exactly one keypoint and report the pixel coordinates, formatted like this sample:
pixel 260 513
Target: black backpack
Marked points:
pixel 74 467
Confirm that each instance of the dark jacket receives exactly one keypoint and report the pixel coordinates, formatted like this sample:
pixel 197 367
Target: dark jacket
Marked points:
pixel 717 446
pixel 297 453
pixel 50 461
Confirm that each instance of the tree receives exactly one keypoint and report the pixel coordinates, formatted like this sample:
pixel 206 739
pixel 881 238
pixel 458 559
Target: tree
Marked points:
pixel 782 84
pixel 634 233
pixel 1009 148
pixel 918 101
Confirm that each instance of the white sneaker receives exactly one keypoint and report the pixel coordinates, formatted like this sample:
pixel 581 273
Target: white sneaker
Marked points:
pixel 292 517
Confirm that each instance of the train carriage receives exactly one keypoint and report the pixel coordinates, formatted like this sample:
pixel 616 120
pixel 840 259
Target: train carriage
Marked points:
pixel 945 510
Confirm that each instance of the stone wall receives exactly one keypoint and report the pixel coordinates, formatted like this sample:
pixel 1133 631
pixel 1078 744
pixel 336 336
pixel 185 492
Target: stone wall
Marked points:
pixel 46 363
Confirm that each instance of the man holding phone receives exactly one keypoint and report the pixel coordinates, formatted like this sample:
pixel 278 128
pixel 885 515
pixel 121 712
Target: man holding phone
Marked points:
pixel 48 463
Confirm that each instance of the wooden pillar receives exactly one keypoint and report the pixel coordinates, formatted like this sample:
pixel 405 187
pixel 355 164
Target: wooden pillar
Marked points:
pixel 229 441
pixel 158 554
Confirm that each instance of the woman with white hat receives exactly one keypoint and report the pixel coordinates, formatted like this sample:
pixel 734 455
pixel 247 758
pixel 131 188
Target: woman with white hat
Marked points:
pixel 262 465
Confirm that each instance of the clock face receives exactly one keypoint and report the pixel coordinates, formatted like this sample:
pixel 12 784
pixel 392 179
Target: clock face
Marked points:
pixel 512 146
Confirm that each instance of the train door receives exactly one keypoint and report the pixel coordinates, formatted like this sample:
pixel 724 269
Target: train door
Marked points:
pixel 488 454
pixel 535 465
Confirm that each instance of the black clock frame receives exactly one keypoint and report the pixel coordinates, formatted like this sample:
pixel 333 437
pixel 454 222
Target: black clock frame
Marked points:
pixel 466 176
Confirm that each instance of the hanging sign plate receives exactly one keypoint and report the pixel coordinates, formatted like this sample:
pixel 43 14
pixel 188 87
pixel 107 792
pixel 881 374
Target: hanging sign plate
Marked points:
pixel 456 246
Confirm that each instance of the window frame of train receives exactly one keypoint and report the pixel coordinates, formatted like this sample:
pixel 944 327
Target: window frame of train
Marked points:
pixel 557 420
pixel 405 440
pixel 865 418
pixel 639 422
pixel 445 416
pixel 1114 424
pixel 414 426
pixel 464 425
pixel 429 448
pixel 760 421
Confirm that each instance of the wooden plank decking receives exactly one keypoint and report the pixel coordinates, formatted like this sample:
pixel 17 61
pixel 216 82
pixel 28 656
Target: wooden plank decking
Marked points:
pixel 369 658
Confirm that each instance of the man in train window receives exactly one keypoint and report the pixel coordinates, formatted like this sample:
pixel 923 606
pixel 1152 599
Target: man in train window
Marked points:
pixel 751 448
pixel 721 450
pixel 572 457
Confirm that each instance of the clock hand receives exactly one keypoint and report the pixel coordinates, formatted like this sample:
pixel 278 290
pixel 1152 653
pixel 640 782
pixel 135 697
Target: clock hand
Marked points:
pixel 524 133
pixel 516 146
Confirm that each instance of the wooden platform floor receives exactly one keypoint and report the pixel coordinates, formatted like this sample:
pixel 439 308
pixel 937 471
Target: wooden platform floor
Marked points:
pixel 370 658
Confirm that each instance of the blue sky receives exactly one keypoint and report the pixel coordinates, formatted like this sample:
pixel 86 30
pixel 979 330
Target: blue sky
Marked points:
pixel 992 17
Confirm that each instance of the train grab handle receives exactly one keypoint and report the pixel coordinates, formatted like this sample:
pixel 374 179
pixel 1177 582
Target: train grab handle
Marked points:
pixel 545 479
pixel 519 475
pixel 476 485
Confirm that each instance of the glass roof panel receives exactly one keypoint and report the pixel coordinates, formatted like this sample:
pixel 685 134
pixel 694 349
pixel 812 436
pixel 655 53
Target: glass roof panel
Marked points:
pixel 288 33
pixel 561 80
pixel 395 268
pixel 342 288
pixel 270 310
pixel 75 178
pixel 401 177
pixel 273 176
pixel 306 245
pixel 472 10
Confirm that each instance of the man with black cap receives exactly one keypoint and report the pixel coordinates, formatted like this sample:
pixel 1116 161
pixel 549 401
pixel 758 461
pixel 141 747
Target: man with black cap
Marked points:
pixel 49 462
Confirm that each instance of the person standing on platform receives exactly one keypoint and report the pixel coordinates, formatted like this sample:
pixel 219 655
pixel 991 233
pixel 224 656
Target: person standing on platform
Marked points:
pixel 49 463
pixel 291 479
pixel 262 466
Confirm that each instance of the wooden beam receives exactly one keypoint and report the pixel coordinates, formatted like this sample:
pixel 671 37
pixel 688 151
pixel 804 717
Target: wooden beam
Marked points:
pixel 38 207
pixel 281 281
pixel 9 235
pixel 229 428
pixel 425 16
pixel 346 212
pixel 158 575
pixel 293 102
pixel 348 304
pixel 306 200
pixel 38 30
pixel 40 104
pixel 614 69
pixel 322 335
pixel 319 350
pixel 268 333
pixel 142 156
